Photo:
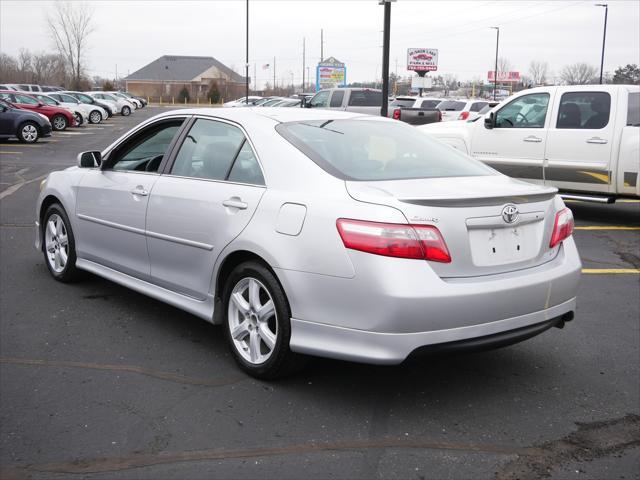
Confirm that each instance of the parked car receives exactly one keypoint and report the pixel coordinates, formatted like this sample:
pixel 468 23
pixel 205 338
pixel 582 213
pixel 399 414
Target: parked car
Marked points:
pixel 60 118
pixel 109 107
pixel 289 102
pixel 415 110
pixel 124 107
pixel 79 115
pixel 6 87
pixel 314 232
pixel 273 101
pixel 461 109
pixel 583 140
pixel 241 102
pixel 48 88
pixel 94 113
pixel 24 125
pixel 361 100
pixel 262 101
pixel 26 87
pixel 134 101
pixel 143 101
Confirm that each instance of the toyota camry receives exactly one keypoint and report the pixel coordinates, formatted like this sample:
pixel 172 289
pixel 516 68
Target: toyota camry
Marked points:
pixel 309 232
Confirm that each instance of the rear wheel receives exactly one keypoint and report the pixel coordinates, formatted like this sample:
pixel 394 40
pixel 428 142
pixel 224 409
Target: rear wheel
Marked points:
pixel 28 132
pixel 59 122
pixel 59 245
pixel 257 323
pixel 126 111
pixel 95 116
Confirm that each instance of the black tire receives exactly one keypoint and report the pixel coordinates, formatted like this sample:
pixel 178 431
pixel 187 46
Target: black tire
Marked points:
pixel 95 116
pixel 28 132
pixel 78 118
pixel 126 111
pixel 282 361
pixel 69 272
pixel 59 122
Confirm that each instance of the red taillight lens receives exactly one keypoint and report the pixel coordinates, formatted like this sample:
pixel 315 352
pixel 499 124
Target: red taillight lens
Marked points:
pixel 562 228
pixel 422 242
pixel 463 116
pixel 396 114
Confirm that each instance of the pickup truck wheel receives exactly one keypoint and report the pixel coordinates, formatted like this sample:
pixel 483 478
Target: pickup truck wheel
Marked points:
pixel 28 132
pixel 95 116
pixel 126 111
pixel 59 122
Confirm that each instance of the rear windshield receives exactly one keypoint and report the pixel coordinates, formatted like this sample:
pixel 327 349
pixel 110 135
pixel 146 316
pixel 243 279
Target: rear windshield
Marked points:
pixel 451 106
pixel 398 102
pixel 431 103
pixel 633 113
pixel 365 98
pixel 377 150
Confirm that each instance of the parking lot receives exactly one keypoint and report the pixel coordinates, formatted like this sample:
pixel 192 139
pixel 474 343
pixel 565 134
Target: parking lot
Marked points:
pixel 98 381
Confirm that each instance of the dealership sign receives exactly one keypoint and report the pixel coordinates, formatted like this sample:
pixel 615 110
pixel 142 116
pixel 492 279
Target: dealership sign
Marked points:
pixel 504 76
pixel 331 73
pixel 422 59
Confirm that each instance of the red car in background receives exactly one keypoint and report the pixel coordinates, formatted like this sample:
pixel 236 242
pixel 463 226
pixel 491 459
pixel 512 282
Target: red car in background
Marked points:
pixel 59 117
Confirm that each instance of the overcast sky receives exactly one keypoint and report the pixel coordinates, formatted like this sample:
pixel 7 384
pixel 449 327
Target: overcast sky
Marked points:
pixel 133 33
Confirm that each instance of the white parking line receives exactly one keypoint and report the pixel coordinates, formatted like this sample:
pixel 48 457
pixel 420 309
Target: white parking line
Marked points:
pixel 74 133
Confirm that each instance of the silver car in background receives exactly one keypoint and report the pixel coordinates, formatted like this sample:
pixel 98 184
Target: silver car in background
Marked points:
pixel 314 232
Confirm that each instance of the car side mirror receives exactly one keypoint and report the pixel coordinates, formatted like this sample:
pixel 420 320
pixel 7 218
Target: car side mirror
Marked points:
pixel 40 104
pixel 489 121
pixel 89 159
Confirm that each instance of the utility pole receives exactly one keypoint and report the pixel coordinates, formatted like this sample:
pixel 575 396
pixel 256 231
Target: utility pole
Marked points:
pixel 246 68
pixel 495 72
pixel 308 80
pixel 321 45
pixel 385 56
pixel 604 37
pixel 395 80
pixel 304 62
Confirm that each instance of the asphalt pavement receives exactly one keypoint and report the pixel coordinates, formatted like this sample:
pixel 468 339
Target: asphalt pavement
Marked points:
pixel 97 381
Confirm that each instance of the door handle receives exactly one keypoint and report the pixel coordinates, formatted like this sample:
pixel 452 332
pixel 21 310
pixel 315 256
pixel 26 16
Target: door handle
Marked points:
pixel 532 139
pixel 235 202
pixel 139 190
pixel 598 140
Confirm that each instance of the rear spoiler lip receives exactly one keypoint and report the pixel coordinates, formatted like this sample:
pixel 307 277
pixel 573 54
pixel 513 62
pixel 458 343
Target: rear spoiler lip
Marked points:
pixel 480 201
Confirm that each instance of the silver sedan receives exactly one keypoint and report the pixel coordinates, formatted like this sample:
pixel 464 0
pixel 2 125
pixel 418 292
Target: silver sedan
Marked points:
pixel 310 232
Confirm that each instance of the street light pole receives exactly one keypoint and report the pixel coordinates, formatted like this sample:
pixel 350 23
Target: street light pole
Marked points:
pixel 246 69
pixel 495 71
pixel 385 56
pixel 604 36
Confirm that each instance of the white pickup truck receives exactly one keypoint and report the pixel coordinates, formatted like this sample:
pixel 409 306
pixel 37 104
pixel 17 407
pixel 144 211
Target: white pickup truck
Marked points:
pixel 584 140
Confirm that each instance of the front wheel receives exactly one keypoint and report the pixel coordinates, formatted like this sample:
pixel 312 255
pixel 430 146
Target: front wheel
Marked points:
pixel 28 132
pixel 78 118
pixel 59 244
pixel 95 116
pixel 59 122
pixel 257 323
pixel 126 111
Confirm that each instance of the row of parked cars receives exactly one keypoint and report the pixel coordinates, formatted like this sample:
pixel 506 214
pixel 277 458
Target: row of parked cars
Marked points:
pixel 29 112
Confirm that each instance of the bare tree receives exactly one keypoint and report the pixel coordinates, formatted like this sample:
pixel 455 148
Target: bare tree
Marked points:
pixel 70 25
pixel 579 74
pixel 538 72
pixel 48 69
pixel 504 65
pixel 24 65
pixel 9 69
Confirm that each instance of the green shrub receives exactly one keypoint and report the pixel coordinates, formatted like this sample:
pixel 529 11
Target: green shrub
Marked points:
pixel 183 96
pixel 214 93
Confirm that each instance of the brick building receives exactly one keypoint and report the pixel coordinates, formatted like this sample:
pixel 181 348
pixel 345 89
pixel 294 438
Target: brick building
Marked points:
pixel 167 75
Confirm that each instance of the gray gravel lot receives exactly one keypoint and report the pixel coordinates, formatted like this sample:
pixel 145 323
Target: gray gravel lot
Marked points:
pixel 97 381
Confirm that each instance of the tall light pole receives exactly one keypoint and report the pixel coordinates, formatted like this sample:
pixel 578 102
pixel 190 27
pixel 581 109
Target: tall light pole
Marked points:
pixel 385 56
pixel 495 71
pixel 246 68
pixel 604 36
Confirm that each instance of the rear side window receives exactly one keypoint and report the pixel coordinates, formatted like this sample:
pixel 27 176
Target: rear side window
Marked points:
pixel 633 111
pixel 365 98
pixel 377 150
pixel 336 98
pixel 26 100
pixel 451 106
pixel 584 110
pixel 476 107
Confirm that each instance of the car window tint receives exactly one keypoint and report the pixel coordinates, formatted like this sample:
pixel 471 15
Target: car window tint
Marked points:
pixel 145 150
pixel 7 96
pixel 47 100
pixel 633 110
pixel 375 150
pixel 528 111
pixel 365 98
pixel 402 102
pixel 246 168
pixel 208 150
pixel 584 110
pixel 451 106
pixel 320 99
pixel 26 100
pixel 68 99
pixel 430 103
pixel 477 106
pixel 336 98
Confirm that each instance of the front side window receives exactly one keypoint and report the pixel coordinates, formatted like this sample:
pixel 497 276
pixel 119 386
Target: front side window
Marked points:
pixel 336 98
pixel 584 110
pixel 377 150
pixel 365 98
pixel 217 151
pixel 47 100
pixel 145 150
pixel 528 111
pixel 320 99
pixel 84 98
pixel 8 97
pixel 68 99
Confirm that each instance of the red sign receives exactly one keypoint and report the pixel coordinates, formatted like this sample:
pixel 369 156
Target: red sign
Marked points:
pixel 422 59
pixel 513 77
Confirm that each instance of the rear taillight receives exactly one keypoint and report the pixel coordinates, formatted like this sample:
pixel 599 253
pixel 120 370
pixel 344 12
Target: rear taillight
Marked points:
pixel 463 116
pixel 396 114
pixel 562 228
pixel 423 242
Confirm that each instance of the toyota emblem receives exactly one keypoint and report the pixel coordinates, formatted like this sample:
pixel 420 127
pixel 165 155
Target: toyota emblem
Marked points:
pixel 510 213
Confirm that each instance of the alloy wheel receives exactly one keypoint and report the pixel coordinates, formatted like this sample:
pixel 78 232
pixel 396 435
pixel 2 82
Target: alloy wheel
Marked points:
pixel 56 243
pixel 59 123
pixel 253 321
pixel 29 133
pixel 95 117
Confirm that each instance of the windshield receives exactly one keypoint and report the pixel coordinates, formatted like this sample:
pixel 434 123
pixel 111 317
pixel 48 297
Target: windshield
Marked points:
pixel 377 150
